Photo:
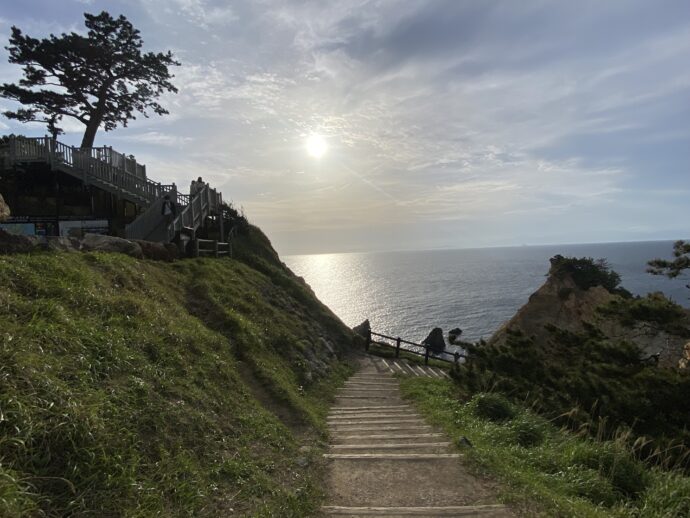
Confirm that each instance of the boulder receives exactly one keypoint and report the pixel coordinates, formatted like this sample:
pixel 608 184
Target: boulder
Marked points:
pixel 101 243
pixel 173 250
pixel 15 244
pixel 4 209
pixel 454 334
pixel 435 340
pixel 62 243
pixel 363 329
pixel 157 251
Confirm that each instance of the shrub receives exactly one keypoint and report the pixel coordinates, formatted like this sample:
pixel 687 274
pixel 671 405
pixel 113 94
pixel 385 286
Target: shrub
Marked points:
pixel 627 475
pixel 669 495
pixel 586 272
pixel 528 431
pixel 493 407
pixel 587 483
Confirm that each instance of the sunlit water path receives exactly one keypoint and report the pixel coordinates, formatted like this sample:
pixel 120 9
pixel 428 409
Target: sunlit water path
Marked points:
pixel 407 293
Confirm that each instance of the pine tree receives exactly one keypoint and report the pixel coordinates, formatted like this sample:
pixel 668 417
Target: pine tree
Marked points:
pixel 101 79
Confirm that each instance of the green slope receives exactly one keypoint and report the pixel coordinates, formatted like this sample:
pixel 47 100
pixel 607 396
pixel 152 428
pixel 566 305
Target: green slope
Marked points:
pixel 141 388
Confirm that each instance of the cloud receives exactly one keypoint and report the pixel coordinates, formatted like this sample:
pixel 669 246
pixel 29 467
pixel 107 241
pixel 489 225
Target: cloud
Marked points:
pixel 492 119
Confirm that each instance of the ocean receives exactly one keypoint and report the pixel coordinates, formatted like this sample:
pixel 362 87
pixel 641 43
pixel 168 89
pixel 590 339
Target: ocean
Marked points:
pixel 406 294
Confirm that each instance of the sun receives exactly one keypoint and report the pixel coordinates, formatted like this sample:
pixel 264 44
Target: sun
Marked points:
pixel 316 145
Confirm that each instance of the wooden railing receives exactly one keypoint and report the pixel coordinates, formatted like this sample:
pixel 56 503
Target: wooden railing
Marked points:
pixel 103 165
pixel 123 176
pixel 205 202
pixel 210 247
pixel 418 349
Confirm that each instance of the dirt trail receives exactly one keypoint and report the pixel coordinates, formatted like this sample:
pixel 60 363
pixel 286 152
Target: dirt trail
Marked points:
pixel 385 460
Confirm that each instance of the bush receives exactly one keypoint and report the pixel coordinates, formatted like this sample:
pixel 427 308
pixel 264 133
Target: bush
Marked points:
pixel 586 272
pixel 669 496
pixel 528 431
pixel 627 475
pixel 493 407
pixel 587 483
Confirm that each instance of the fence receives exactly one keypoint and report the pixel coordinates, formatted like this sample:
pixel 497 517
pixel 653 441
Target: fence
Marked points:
pixel 210 247
pixel 111 169
pixel 418 348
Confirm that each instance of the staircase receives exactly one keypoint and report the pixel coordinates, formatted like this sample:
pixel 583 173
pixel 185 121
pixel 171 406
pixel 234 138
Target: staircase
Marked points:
pixel 122 176
pixel 386 460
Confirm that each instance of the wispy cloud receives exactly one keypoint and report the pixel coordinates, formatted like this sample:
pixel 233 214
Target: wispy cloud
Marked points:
pixel 478 122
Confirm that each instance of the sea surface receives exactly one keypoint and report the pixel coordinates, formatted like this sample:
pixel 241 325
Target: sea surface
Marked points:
pixel 406 294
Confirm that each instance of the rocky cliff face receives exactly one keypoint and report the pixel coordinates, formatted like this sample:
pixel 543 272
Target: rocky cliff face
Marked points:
pixel 559 302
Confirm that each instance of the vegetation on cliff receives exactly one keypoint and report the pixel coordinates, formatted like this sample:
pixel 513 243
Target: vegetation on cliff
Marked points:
pixel 575 417
pixel 587 378
pixel 141 388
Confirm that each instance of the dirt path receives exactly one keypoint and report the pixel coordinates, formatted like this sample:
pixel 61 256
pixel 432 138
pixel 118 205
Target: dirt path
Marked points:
pixel 385 460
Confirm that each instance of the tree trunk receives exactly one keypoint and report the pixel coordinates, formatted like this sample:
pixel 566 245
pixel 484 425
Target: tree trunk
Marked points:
pixel 96 117
pixel 90 133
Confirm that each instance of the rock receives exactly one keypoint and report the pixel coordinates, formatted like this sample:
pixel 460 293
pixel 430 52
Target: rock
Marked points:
pixel 435 340
pixel 155 251
pixel 173 250
pixel 4 209
pixel 454 334
pixel 15 244
pixel 62 243
pixel 101 243
pixel 302 462
pixel 363 329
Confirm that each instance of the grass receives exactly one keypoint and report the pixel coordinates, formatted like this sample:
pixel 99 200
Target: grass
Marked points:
pixel 139 388
pixel 546 470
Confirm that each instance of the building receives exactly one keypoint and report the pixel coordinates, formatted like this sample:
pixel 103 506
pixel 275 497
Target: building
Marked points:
pixel 57 190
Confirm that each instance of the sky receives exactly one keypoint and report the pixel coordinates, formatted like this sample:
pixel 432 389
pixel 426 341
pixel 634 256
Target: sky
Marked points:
pixel 448 123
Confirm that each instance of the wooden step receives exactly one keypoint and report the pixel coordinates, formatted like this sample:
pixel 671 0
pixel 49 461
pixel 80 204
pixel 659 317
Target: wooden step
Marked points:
pixel 391 456
pixel 387 428
pixel 391 446
pixel 382 407
pixel 463 510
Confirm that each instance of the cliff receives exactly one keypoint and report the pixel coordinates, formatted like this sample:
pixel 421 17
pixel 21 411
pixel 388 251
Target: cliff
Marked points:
pixel 652 323
pixel 131 387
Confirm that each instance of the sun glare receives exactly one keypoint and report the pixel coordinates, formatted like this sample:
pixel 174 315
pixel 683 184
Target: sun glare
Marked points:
pixel 316 146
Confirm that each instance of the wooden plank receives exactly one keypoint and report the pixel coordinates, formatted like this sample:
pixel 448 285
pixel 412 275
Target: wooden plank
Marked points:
pixel 387 428
pixel 391 456
pixel 464 510
pixel 390 446
pixel 350 417
pixel 392 436
pixel 387 366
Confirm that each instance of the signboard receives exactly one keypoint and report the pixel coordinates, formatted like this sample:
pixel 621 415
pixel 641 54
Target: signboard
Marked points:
pixel 79 228
pixel 20 229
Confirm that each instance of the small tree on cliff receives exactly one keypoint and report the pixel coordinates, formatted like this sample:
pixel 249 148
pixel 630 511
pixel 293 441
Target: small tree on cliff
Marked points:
pixel 672 269
pixel 100 79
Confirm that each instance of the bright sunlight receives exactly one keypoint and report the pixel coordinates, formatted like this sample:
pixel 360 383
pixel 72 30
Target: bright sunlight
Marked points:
pixel 316 146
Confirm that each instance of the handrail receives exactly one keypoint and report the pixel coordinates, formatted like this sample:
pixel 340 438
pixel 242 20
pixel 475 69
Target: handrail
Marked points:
pixel 102 164
pixel 205 202
pixel 123 176
pixel 427 348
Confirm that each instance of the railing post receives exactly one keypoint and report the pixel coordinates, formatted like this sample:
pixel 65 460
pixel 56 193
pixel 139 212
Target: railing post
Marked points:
pixel 456 355
pixel 215 247
pixel 426 356
pixel 366 346
pixel 397 348
pixel 13 149
pixel 196 248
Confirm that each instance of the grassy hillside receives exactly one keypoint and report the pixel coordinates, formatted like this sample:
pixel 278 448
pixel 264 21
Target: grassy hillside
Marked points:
pixel 140 388
pixel 546 470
